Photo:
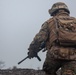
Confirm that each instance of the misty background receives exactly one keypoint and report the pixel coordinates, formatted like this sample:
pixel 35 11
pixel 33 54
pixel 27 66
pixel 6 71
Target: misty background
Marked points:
pixel 20 20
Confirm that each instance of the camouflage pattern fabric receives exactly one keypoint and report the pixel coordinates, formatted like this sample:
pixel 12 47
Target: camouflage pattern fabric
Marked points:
pixel 69 68
pixel 51 66
pixel 41 36
pixel 60 52
pixel 57 6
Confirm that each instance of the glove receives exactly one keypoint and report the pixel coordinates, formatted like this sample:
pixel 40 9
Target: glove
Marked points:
pixel 32 54
pixel 33 50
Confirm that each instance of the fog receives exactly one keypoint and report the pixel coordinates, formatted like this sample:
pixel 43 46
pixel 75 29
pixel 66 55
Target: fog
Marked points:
pixel 20 20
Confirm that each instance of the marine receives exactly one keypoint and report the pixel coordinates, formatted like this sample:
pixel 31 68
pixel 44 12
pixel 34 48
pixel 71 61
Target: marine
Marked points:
pixel 59 35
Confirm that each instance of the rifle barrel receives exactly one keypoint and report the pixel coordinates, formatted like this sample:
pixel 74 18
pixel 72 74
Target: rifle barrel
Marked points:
pixel 28 57
pixel 23 60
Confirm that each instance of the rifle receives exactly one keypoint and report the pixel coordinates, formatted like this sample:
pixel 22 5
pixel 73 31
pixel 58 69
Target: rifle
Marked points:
pixel 41 47
pixel 28 57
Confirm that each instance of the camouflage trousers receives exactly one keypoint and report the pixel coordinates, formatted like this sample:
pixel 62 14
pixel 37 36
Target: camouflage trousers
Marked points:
pixel 51 66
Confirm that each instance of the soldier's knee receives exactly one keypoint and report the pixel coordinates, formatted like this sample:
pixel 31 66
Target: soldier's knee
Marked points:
pixel 69 68
pixel 68 72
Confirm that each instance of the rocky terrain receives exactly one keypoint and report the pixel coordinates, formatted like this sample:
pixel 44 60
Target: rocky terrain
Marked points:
pixel 22 72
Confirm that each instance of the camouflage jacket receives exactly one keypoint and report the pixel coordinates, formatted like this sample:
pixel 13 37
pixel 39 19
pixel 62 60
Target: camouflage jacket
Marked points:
pixel 41 36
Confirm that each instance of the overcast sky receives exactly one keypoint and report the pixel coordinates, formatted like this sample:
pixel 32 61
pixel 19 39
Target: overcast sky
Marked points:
pixel 20 20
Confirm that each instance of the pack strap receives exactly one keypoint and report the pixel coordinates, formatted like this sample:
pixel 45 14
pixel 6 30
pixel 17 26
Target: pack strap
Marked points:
pixel 56 28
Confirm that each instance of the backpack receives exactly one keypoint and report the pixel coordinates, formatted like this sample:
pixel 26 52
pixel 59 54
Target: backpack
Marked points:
pixel 65 30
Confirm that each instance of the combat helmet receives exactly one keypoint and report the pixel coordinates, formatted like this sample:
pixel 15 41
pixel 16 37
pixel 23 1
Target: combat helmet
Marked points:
pixel 57 6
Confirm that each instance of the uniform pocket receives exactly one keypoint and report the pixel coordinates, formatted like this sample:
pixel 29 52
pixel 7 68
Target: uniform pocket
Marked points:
pixel 60 52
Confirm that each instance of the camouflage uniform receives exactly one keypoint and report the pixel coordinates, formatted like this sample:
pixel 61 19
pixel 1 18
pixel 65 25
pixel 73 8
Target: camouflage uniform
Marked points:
pixel 53 63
